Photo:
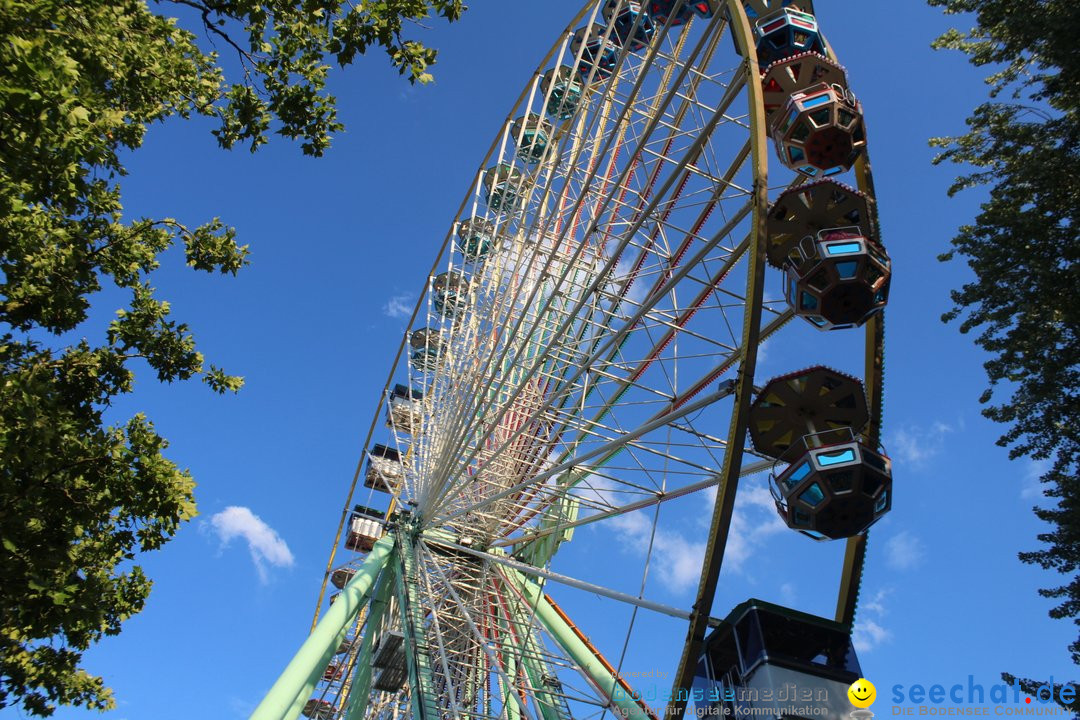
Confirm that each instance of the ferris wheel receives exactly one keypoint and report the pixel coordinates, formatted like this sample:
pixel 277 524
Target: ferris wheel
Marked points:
pixel 586 347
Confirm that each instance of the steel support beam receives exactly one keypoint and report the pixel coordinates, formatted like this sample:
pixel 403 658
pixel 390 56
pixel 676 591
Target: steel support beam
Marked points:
pixel 552 706
pixel 421 685
pixel 360 691
pixel 850 580
pixel 283 701
pixel 495 663
pixel 567 580
pixel 574 644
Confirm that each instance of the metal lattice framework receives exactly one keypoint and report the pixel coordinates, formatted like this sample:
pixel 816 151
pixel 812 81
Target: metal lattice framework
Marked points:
pixel 589 330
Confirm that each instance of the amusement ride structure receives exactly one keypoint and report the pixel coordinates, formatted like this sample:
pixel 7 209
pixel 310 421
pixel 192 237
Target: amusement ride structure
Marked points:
pixel 586 348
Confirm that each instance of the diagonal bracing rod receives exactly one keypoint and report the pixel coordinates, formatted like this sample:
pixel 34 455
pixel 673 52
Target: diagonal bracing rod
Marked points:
pixel 495 664
pixel 286 697
pixel 360 691
pixel 567 580
pixel 599 671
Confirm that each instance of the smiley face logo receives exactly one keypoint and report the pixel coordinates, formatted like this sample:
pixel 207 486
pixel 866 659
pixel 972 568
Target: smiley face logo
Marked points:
pixel 862 693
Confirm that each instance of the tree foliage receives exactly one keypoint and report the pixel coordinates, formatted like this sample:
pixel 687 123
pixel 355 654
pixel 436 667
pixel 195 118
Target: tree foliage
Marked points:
pixel 1024 145
pixel 80 81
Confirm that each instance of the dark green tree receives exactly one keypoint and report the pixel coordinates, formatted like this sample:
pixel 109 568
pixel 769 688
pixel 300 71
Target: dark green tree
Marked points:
pixel 1023 144
pixel 80 81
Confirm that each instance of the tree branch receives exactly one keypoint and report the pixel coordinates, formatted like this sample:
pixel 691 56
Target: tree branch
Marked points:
pixel 245 57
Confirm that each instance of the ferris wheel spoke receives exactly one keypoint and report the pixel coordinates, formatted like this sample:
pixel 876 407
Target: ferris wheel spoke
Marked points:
pixel 677 325
pixel 679 401
pixel 466 616
pixel 359 692
pixel 533 571
pixel 667 453
pixel 594 668
pixel 622 386
pixel 607 268
pixel 606 447
pixel 615 443
pixel 615 337
pixel 449 676
pixel 533 533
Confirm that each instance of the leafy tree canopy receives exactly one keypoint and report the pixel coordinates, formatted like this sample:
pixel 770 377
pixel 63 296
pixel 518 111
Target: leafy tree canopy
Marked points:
pixel 80 81
pixel 1024 145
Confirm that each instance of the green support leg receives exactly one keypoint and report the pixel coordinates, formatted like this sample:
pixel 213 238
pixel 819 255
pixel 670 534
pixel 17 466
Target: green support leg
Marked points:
pixel 360 691
pixel 510 667
pixel 552 707
pixel 309 686
pixel 307 666
pixel 563 634
pixel 416 648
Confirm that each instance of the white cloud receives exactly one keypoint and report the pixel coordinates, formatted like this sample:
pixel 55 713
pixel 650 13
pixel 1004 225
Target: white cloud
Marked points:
pixel 241 708
pixel 875 604
pixel 597 494
pixel 869 632
pixel 708 502
pixel 1032 489
pixel 868 635
pixel 754 521
pixel 904 551
pixel 399 307
pixel 788 594
pixel 677 560
pixel 640 287
pixel 914 445
pixel 762 353
pixel 265 545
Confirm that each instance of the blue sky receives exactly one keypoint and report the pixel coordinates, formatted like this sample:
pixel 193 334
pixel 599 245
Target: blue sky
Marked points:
pixel 341 244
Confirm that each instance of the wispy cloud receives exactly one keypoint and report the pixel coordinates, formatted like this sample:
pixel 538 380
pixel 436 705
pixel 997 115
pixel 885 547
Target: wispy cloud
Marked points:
pixel 904 551
pixel 596 494
pixel 676 560
pixel 762 353
pixel 266 546
pixel 915 445
pixel 399 307
pixel 1032 489
pixel 754 521
pixel 868 635
pixel 241 708
pixel 875 603
pixel 869 631
pixel 639 288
